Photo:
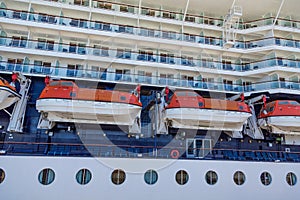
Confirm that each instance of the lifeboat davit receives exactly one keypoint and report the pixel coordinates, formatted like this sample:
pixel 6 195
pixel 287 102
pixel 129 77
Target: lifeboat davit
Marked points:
pixel 188 109
pixel 64 101
pixel 8 94
pixel 280 116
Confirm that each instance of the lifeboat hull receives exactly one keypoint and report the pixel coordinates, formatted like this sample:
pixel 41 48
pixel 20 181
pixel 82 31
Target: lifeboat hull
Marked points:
pixel 8 97
pixel 90 112
pixel 207 119
pixel 281 124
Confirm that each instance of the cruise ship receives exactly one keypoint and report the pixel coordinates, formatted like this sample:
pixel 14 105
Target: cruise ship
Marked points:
pixel 149 99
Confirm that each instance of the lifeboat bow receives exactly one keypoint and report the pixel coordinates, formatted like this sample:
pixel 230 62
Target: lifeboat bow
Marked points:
pixel 280 117
pixel 8 94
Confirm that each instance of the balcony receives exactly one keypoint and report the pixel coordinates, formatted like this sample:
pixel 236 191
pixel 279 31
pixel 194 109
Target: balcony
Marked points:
pixel 141 56
pixel 177 16
pixel 123 29
pixel 80 72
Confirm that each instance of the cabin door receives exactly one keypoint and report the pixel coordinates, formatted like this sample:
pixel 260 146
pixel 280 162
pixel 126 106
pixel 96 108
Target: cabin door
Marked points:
pixel 198 148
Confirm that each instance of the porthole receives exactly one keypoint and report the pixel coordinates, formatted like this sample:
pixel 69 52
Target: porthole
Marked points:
pixel 83 176
pixel 291 179
pixel 239 178
pixel 2 175
pixel 211 177
pixel 118 176
pixel 182 177
pixel 46 176
pixel 265 178
pixel 150 177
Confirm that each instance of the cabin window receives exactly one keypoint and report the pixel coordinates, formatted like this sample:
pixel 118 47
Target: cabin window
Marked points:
pixel 41 43
pixel 291 179
pixel 123 8
pixel 118 176
pixel 211 177
pixel 46 176
pixel 190 19
pixel 123 98
pixel 151 177
pixel 182 177
pixel 239 178
pixel 83 176
pixel 271 109
pixel 72 94
pixel 2 175
pixel 265 178
pixel 294 103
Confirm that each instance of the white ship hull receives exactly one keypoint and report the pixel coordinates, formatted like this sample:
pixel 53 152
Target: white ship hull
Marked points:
pixel 206 119
pixel 7 97
pixel 22 182
pixel 91 112
pixel 281 124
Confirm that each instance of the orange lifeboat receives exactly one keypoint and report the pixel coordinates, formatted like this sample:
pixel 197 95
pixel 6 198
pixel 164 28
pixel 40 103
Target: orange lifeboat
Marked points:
pixel 187 109
pixel 64 101
pixel 280 116
pixel 8 94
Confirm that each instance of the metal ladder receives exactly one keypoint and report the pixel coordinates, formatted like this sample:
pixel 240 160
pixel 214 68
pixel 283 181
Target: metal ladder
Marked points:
pixel 230 24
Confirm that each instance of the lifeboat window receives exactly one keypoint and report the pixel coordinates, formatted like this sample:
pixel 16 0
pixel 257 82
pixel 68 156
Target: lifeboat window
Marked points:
pixel 291 179
pixel 270 108
pixel 180 94
pixel 2 175
pixel 283 103
pixel 150 177
pixel 46 176
pixel 83 176
pixel 72 94
pixel 67 83
pixel 211 177
pixel 265 178
pixel 54 83
pixel 123 98
pixel 118 176
pixel 239 178
pixel 192 94
pixel 182 177
pixel 294 103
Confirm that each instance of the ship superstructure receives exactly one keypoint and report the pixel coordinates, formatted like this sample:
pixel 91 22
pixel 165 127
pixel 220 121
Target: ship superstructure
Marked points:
pixel 193 80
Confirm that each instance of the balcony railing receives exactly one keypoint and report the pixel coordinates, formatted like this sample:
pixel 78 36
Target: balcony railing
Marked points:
pixel 127 151
pixel 63 72
pixel 113 54
pixel 117 28
pixel 198 19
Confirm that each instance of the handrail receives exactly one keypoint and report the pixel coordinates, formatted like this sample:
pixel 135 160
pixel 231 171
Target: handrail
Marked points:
pixel 77 149
pixel 215 41
pixel 193 62
pixel 200 16
pixel 63 72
